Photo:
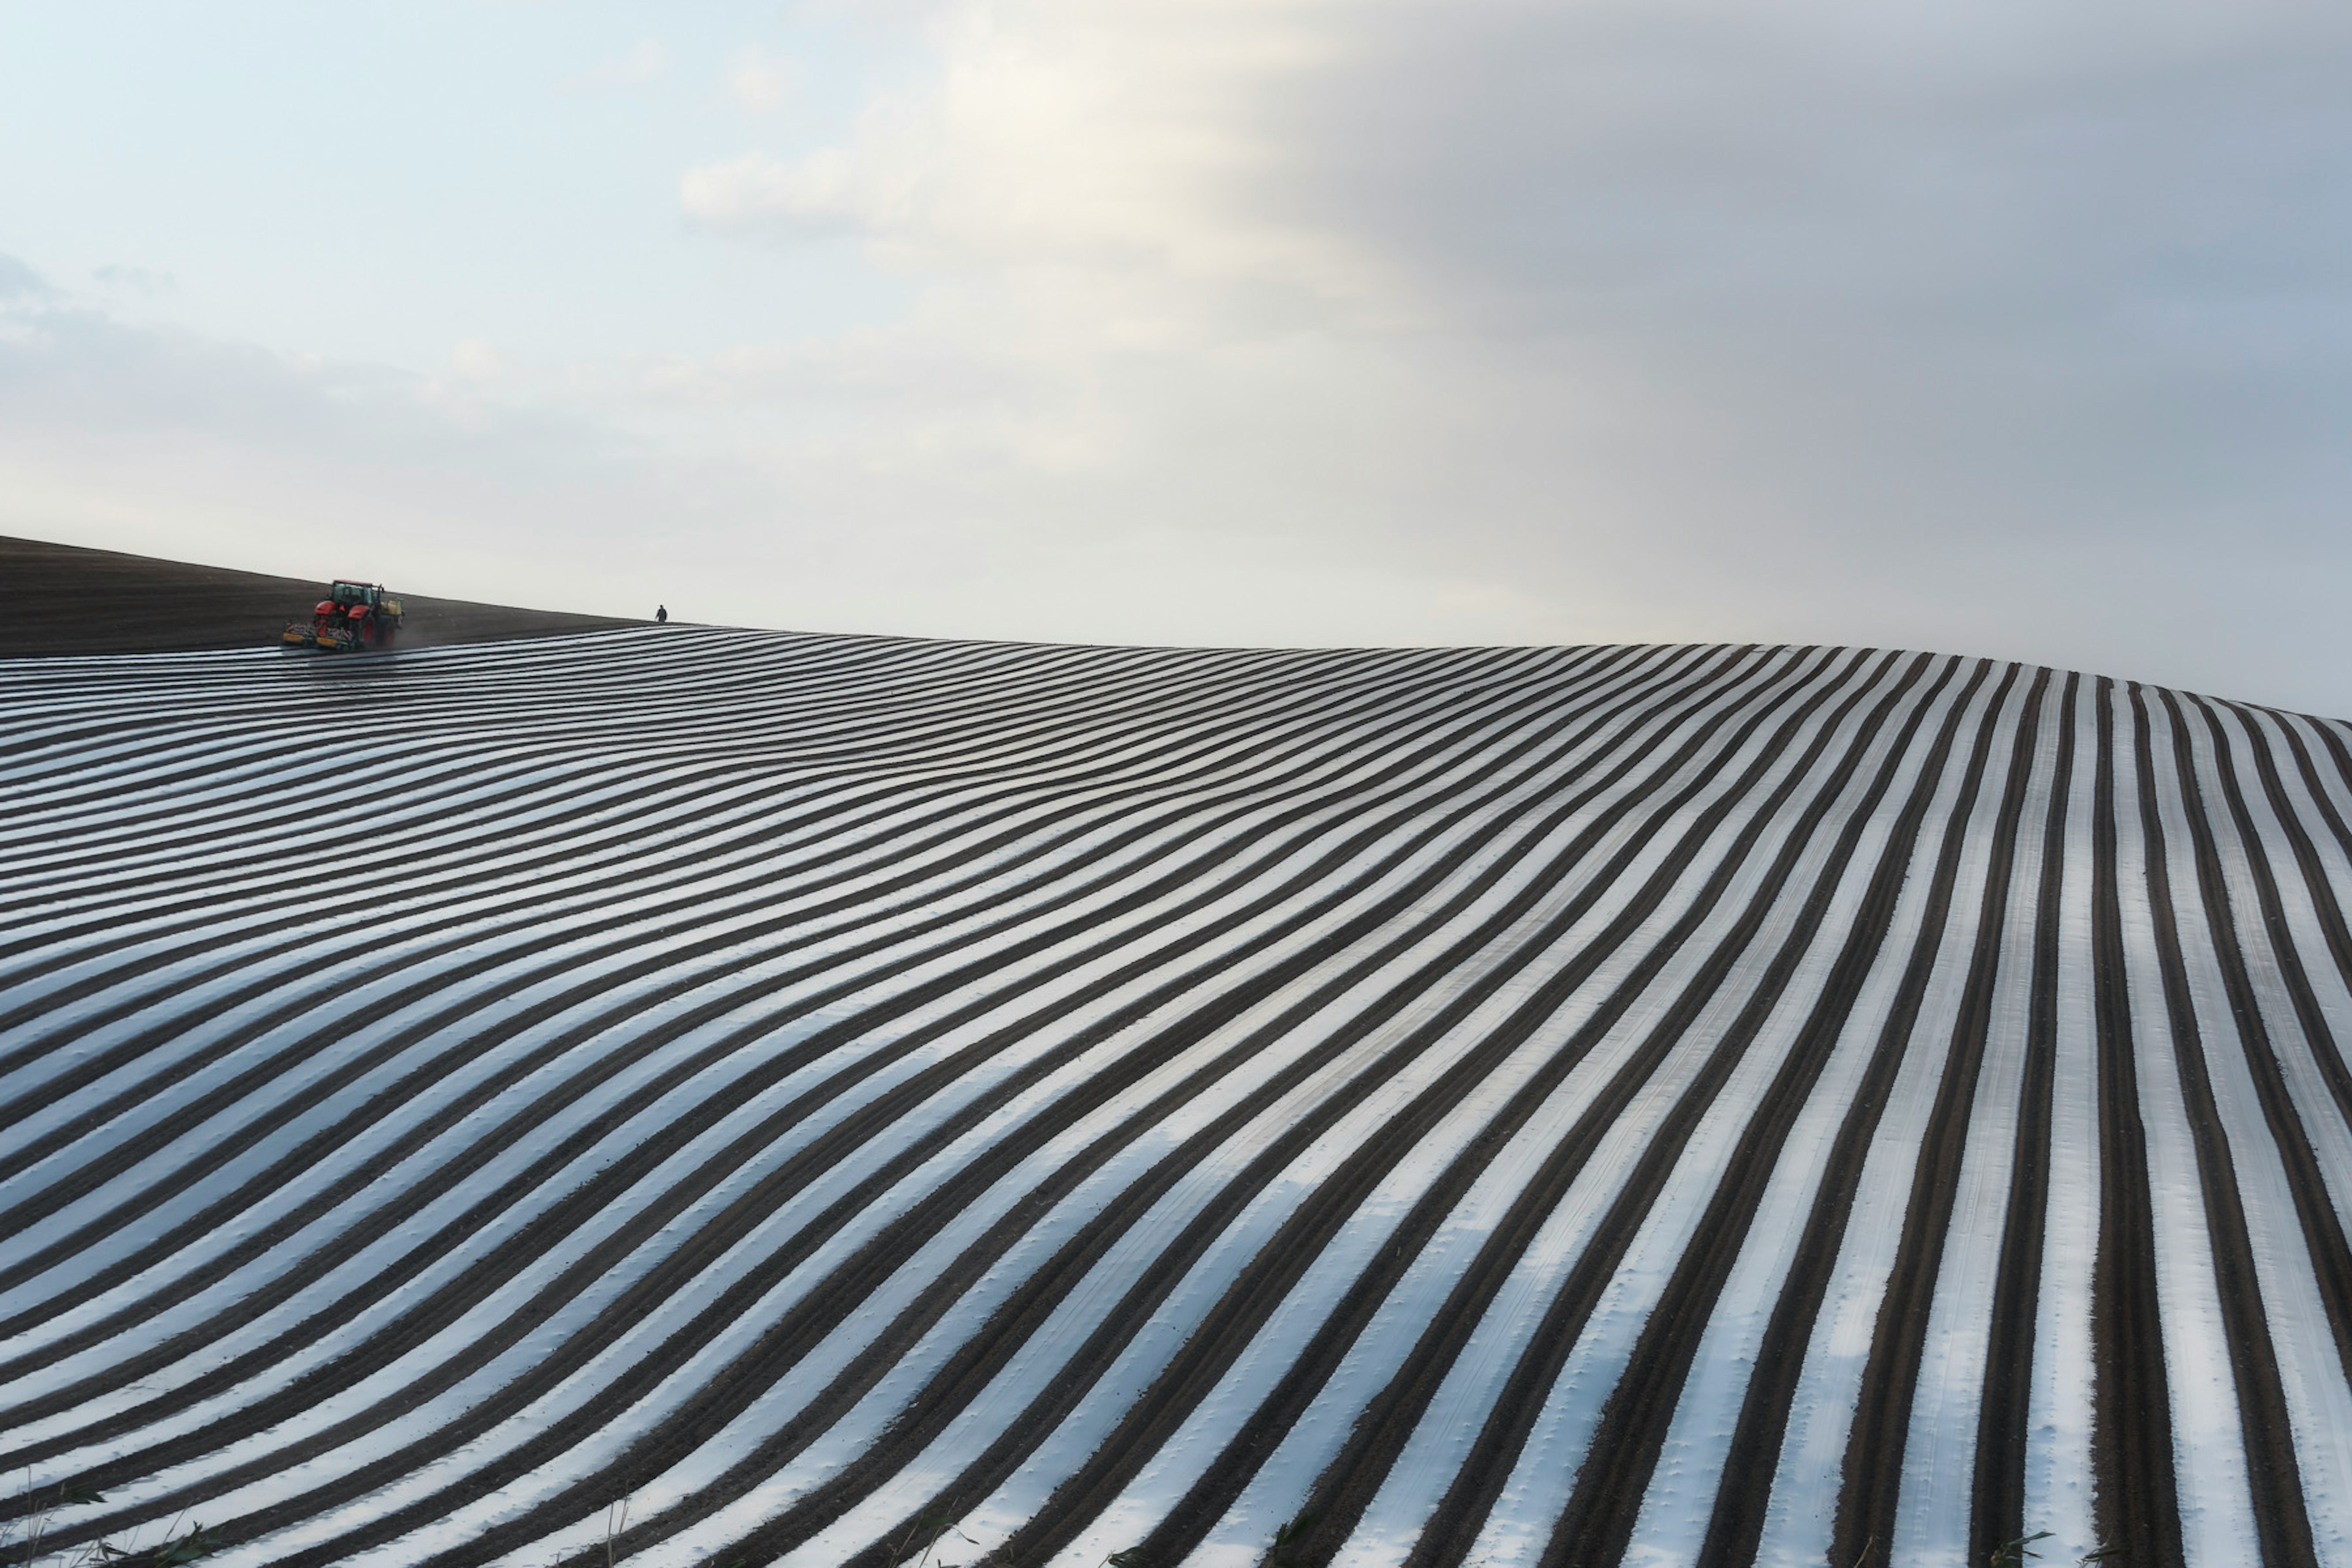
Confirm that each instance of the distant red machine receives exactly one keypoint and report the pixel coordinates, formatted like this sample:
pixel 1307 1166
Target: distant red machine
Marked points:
pixel 353 616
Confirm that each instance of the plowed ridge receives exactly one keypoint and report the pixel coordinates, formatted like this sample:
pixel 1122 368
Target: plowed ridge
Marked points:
pixel 1681 1105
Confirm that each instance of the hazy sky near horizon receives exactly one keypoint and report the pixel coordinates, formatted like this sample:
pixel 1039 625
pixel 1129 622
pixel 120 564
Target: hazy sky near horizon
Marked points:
pixel 2003 329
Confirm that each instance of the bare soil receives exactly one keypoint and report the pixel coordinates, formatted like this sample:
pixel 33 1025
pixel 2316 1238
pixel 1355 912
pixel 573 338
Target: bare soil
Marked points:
pixel 62 599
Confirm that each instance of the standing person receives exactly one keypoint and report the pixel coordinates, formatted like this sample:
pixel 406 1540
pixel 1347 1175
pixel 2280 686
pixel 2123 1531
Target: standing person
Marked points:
pixel 661 615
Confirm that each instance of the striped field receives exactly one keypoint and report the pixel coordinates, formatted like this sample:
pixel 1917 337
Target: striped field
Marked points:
pixel 1681 1105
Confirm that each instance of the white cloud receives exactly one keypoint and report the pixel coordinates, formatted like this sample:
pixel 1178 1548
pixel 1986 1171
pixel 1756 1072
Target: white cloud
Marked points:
pixel 2009 332
pixel 471 359
pixel 1057 136
pixel 761 83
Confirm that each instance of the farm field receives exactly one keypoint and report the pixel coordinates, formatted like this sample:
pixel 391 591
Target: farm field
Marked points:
pixel 1693 1105
pixel 63 599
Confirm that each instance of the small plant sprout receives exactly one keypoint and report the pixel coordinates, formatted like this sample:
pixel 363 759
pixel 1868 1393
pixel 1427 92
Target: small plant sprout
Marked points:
pixel 2013 1553
pixel 197 1542
pixel 1287 1538
pixel 616 1523
pixel 41 1505
pixel 929 1529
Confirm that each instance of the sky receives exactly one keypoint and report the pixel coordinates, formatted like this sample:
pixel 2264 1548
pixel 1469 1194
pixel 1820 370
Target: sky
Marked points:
pixel 2006 329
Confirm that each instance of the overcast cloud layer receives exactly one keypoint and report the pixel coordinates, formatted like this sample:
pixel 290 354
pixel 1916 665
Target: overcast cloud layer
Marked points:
pixel 1982 329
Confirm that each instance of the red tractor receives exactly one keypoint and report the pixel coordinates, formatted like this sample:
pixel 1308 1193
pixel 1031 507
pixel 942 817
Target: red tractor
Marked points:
pixel 353 616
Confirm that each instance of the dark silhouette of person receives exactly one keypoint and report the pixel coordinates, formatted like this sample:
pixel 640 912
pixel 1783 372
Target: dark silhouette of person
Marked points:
pixel 661 615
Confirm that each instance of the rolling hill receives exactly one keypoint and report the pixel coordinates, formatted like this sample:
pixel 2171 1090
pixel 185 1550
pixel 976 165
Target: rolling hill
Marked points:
pixel 64 598
pixel 1534 1106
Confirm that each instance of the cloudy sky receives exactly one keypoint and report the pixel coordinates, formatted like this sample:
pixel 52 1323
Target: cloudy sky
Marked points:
pixel 2002 328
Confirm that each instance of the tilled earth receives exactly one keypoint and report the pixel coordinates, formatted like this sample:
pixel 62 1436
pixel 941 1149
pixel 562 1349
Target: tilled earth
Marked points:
pixel 61 598
pixel 1569 1106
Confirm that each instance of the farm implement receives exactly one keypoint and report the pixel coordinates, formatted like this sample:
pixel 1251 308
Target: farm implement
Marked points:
pixel 353 616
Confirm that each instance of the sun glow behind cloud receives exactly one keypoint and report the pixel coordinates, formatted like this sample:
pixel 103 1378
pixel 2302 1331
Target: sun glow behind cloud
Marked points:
pixel 1280 322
